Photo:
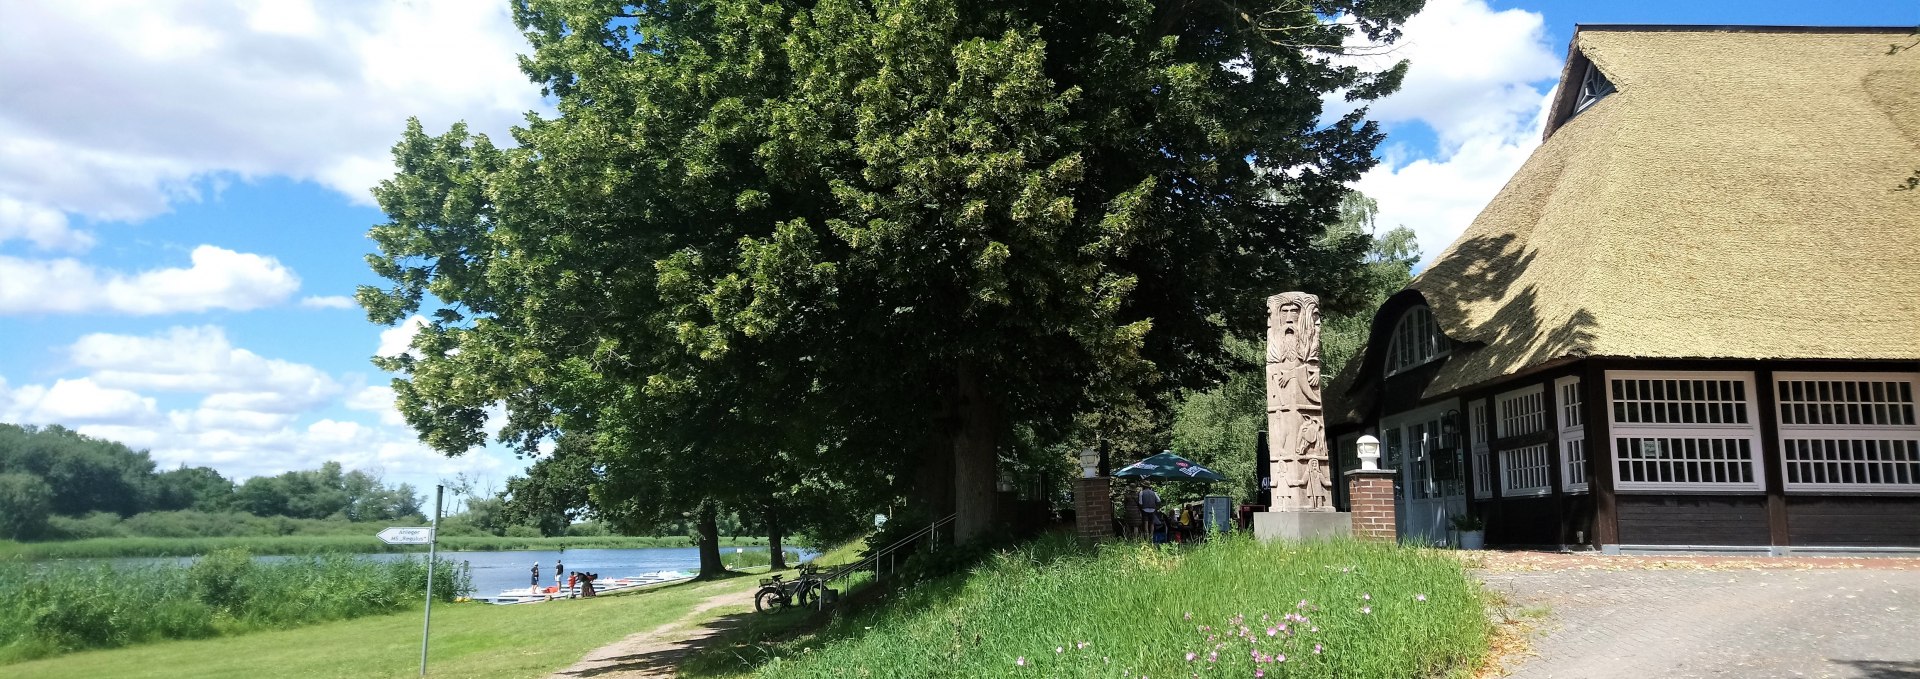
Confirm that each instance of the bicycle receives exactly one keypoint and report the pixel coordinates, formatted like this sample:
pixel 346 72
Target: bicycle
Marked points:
pixel 776 592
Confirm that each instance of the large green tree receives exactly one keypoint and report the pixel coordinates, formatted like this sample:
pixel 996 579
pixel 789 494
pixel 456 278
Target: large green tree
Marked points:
pixel 873 236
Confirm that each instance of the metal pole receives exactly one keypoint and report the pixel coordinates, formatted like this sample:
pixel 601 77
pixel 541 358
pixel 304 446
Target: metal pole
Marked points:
pixel 433 543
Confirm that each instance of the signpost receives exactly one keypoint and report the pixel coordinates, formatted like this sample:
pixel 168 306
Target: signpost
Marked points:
pixel 415 535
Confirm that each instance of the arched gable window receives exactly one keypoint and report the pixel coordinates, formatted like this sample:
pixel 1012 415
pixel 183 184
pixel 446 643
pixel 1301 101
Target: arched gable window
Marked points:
pixel 1415 340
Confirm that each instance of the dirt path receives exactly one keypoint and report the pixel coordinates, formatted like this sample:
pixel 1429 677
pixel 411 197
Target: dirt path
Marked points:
pixel 656 652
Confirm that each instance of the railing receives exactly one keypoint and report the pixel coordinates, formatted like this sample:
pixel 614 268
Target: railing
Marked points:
pixel 889 553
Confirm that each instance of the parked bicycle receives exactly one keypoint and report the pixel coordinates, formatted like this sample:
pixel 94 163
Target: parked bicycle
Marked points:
pixel 776 592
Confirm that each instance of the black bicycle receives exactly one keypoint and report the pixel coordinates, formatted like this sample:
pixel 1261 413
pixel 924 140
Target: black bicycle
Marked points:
pixel 776 592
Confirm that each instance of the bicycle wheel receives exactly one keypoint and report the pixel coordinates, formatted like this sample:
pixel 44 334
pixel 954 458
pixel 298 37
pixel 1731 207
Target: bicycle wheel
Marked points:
pixel 768 599
pixel 810 596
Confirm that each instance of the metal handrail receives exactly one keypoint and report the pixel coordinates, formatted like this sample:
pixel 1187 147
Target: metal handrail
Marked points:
pixel 873 559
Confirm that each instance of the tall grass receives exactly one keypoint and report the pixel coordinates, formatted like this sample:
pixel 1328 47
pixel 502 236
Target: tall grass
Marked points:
pixel 106 548
pixel 1240 608
pixel 756 558
pixel 52 609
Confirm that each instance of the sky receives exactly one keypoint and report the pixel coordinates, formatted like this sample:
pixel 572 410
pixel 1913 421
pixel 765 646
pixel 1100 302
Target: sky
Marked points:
pixel 184 196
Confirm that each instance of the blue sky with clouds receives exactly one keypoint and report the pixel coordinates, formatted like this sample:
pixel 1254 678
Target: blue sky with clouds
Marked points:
pixel 183 202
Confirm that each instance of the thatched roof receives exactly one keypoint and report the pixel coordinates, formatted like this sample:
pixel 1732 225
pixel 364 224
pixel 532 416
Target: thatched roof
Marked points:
pixel 1733 199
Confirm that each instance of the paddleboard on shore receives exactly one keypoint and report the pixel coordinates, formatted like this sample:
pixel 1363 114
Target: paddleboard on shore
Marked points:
pixel 525 595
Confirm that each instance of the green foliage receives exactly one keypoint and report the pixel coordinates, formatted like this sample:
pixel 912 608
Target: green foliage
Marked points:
pixel 1134 610
pixel 84 474
pixel 830 247
pixel 55 608
pixel 25 503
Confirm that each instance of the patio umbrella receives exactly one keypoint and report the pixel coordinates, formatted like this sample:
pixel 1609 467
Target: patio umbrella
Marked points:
pixel 1167 465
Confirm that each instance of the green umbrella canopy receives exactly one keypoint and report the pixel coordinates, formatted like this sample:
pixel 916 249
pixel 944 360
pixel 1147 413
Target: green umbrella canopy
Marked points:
pixel 1167 465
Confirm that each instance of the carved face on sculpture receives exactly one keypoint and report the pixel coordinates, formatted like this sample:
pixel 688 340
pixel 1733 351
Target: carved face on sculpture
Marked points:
pixel 1290 313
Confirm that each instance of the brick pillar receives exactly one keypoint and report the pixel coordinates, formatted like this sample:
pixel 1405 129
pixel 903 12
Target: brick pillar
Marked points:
pixel 1370 494
pixel 1093 508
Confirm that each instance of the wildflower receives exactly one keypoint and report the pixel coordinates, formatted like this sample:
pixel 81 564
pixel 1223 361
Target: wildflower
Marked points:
pixel 1315 629
pixel 1280 658
pixel 1364 610
pixel 1059 649
pixel 1189 615
pixel 1213 656
pixel 1080 645
pixel 1191 655
pixel 1316 649
pixel 1259 672
pixel 1366 596
pixel 1419 597
pixel 1302 604
pixel 1021 661
pixel 1272 631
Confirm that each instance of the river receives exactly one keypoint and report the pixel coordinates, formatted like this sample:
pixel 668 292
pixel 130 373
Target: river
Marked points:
pixel 495 572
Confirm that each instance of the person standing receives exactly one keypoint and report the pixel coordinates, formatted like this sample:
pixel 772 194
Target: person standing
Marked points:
pixel 1150 512
pixel 534 586
pixel 559 569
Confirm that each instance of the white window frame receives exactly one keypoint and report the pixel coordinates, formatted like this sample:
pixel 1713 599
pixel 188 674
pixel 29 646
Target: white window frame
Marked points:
pixel 1432 347
pixel 1526 480
pixel 1537 418
pixel 1481 430
pixel 1749 431
pixel 1842 432
pixel 1569 414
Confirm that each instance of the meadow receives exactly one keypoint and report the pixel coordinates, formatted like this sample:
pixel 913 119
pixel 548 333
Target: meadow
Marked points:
pixel 364 543
pixel 1231 608
pixel 49 610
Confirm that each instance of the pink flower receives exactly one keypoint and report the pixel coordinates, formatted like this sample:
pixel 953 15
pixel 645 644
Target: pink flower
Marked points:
pixel 1259 672
pixel 1188 616
pixel 1272 631
pixel 1213 656
pixel 1280 658
pixel 1021 661
pixel 1302 604
pixel 1191 655
pixel 1366 610
pixel 1419 597
pixel 1316 649
pixel 1366 596
pixel 1059 649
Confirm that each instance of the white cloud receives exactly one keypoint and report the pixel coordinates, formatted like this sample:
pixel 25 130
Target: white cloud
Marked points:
pixel 202 360
pixel 1477 78
pixel 398 339
pixel 254 415
pixel 218 278
pixel 327 302
pixel 120 129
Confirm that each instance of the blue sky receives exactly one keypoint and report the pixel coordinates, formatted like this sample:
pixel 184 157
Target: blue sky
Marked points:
pixel 182 214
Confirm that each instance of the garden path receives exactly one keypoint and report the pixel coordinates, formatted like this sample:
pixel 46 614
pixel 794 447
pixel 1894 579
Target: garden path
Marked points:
pixel 1712 617
pixel 656 652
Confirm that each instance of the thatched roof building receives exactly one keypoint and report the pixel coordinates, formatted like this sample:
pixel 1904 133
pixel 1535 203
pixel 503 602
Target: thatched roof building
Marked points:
pixel 1705 197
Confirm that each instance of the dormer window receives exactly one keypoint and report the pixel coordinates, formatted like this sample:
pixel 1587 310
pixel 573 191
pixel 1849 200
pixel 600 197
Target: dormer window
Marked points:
pixel 1592 87
pixel 1416 341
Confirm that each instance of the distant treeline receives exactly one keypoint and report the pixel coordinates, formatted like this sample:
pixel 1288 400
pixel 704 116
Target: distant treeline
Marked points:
pixel 362 543
pixel 48 472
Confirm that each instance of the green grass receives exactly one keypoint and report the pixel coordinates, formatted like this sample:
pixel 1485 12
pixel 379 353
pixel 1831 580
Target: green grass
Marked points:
pixel 106 548
pixel 47 611
pixel 1141 609
pixel 469 640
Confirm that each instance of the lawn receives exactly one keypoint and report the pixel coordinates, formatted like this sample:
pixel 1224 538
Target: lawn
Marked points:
pixel 469 640
pixel 1240 608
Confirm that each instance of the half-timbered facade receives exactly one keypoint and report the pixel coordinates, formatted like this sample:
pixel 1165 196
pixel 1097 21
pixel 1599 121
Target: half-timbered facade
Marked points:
pixel 1691 319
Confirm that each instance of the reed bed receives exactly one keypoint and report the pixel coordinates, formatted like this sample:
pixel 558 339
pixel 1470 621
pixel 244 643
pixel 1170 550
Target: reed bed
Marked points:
pixel 108 548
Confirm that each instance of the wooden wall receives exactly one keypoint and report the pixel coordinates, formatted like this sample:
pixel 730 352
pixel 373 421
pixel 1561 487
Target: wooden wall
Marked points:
pixel 1853 521
pixel 1704 520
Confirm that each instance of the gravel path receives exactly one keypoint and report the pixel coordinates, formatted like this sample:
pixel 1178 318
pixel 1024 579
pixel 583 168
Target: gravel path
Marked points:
pixel 1666 617
pixel 656 652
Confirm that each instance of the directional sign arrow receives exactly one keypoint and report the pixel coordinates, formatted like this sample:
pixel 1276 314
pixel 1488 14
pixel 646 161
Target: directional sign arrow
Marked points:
pixel 403 535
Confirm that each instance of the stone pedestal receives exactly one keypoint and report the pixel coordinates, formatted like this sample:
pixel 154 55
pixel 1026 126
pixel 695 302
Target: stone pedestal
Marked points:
pixel 1093 508
pixel 1301 525
pixel 1370 496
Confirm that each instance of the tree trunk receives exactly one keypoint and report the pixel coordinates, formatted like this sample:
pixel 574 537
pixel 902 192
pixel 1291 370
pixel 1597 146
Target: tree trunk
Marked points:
pixel 708 528
pixel 975 458
pixel 776 553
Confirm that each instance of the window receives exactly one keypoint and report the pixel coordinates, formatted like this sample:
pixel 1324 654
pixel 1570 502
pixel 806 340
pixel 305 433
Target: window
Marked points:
pixel 1573 434
pixel 1593 87
pixel 1482 461
pixel 1524 471
pixel 1416 340
pixel 1687 431
pixel 1850 432
pixel 1522 412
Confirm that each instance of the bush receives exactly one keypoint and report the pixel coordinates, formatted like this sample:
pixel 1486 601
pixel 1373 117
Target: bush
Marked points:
pixel 51 609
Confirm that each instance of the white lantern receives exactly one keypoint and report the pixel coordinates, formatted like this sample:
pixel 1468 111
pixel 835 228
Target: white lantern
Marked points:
pixel 1369 451
pixel 1089 463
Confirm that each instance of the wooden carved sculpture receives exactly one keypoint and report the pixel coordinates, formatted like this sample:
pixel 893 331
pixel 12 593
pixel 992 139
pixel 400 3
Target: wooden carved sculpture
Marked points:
pixel 1296 430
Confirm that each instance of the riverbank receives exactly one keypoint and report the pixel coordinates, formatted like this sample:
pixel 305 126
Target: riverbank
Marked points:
pixel 469 640
pixel 110 548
